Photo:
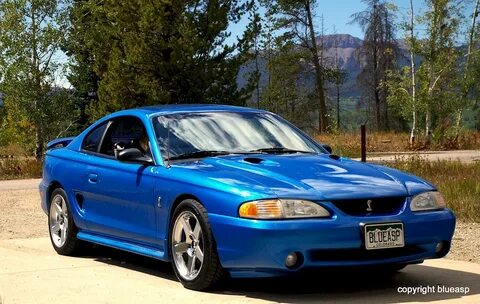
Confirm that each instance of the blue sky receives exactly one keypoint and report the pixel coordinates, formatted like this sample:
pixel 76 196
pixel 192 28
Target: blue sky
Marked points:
pixel 337 13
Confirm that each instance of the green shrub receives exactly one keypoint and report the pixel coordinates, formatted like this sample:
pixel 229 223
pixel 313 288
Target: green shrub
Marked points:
pixel 18 169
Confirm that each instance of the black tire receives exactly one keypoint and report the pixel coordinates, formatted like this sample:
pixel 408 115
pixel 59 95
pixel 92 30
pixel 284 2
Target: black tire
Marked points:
pixel 72 245
pixel 211 271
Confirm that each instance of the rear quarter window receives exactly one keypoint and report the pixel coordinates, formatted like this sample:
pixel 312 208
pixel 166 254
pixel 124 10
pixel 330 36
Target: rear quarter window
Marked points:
pixel 93 139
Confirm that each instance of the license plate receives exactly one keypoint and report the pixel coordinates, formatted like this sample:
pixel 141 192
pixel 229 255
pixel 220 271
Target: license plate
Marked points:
pixel 381 236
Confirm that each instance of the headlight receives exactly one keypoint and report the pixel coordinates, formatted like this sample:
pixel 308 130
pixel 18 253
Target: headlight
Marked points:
pixel 427 201
pixel 281 208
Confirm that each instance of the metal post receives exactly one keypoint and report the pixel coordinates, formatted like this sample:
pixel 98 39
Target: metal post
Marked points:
pixel 363 142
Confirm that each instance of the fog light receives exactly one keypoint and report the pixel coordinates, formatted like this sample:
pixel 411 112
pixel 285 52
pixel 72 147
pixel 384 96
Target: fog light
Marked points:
pixel 439 247
pixel 291 259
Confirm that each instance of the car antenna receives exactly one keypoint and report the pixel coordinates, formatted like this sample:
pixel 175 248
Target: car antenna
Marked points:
pixel 168 143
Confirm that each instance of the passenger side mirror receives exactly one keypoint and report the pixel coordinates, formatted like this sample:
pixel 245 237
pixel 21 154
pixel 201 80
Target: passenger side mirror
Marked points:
pixel 328 148
pixel 134 155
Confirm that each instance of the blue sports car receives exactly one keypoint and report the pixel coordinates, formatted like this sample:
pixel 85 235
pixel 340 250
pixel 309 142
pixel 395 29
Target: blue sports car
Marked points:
pixel 222 190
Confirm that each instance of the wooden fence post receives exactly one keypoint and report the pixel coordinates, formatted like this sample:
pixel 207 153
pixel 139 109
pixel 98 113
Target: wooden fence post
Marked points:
pixel 363 142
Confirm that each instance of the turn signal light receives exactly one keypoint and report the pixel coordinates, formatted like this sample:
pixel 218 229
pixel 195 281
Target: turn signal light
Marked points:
pixel 266 209
pixel 281 208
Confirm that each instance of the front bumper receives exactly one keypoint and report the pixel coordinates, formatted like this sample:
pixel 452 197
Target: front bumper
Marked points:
pixel 256 248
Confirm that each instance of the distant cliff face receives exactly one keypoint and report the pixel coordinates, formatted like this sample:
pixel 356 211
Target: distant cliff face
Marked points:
pixel 343 41
pixel 345 48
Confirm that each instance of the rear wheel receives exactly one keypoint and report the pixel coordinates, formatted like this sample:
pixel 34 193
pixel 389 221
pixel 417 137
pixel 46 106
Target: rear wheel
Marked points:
pixel 192 247
pixel 62 229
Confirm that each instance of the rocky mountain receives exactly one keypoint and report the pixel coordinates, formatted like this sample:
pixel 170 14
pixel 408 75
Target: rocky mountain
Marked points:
pixel 344 45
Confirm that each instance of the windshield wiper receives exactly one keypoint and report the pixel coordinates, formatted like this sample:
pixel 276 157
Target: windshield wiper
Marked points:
pixel 208 153
pixel 198 154
pixel 277 150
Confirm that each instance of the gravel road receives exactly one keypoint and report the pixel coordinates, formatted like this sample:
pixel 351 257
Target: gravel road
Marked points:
pixel 464 156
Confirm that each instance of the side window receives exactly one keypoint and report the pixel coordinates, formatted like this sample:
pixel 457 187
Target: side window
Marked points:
pixel 125 132
pixel 93 139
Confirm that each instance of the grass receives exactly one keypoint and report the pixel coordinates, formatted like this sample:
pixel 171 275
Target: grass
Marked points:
pixel 18 169
pixel 348 144
pixel 458 182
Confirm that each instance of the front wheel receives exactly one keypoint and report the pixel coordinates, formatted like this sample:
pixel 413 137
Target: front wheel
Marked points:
pixel 192 247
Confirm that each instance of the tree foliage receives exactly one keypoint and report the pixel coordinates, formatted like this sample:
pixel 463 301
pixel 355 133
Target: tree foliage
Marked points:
pixel 439 80
pixel 124 54
pixel 150 52
pixel 295 22
pixel 31 32
pixel 81 73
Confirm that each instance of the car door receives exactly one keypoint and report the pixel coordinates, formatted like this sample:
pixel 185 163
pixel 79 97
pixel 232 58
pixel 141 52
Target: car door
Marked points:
pixel 119 196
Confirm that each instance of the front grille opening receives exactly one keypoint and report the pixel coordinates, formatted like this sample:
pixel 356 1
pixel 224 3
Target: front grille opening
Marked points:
pixel 361 254
pixel 374 206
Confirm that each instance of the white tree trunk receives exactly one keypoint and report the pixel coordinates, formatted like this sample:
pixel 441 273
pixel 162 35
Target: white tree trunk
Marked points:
pixel 428 126
pixel 414 83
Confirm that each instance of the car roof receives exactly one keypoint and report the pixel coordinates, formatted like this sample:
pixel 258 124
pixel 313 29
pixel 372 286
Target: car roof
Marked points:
pixel 185 108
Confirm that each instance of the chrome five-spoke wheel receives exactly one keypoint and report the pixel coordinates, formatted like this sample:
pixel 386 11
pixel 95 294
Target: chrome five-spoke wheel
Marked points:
pixel 58 220
pixel 192 247
pixel 188 245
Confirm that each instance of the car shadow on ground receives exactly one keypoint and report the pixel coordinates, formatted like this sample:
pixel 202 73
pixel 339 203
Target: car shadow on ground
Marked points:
pixel 326 285
pixel 130 261
pixel 348 286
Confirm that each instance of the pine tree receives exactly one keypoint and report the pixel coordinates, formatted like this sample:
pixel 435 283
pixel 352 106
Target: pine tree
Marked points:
pixel 150 52
pixel 81 59
pixel 297 22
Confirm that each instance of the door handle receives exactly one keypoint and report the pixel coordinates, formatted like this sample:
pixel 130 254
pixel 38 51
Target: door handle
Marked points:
pixel 92 178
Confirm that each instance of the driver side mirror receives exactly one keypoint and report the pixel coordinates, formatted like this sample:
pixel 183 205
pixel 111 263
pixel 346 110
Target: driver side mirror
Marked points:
pixel 134 155
pixel 328 148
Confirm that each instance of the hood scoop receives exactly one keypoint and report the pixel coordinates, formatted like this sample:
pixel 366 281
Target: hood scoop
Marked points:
pixel 253 160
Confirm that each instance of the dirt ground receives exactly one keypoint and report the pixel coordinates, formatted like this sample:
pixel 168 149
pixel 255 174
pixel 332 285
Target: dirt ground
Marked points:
pixel 21 217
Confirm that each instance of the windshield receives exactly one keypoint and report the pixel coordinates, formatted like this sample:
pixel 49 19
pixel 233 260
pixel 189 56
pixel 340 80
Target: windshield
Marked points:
pixel 228 132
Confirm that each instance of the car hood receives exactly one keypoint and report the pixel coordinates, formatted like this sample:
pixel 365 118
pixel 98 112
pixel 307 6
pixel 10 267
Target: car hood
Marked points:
pixel 306 176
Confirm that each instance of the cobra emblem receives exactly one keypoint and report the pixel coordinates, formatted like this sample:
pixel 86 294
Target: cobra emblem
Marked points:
pixel 369 206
